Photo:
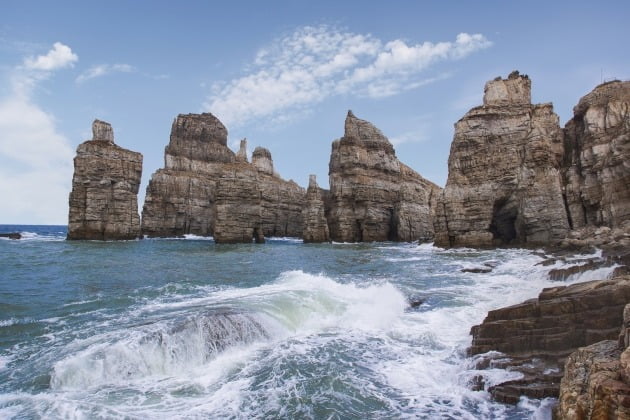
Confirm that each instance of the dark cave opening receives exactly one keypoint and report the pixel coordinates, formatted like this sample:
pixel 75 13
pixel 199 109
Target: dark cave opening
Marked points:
pixel 503 224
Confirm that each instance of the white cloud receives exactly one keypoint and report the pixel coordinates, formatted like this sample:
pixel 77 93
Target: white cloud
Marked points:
pixel 104 69
pixel 315 63
pixel 35 159
pixel 59 57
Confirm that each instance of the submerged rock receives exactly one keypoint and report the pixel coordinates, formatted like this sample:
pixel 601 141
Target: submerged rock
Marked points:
pixel 373 196
pixel 103 202
pixel 12 235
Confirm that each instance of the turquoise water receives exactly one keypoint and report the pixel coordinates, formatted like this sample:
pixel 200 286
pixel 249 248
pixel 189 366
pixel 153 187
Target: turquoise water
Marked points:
pixel 185 328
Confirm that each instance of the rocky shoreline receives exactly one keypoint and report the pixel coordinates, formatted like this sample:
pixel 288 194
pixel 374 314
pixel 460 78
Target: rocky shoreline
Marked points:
pixel 516 178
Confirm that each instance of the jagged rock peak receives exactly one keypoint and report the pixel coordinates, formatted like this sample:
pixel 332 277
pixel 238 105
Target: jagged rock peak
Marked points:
pixel 200 127
pixel 515 90
pixel 102 131
pixel 312 181
pixel 615 90
pixel 261 159
pixel 241 156
pixel 361 130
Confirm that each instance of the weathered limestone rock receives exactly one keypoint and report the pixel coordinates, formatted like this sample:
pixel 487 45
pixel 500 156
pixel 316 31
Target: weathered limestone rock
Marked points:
pixel 314 213
pixel 544 331
pixel 103 202
pixel 374 197
pixel 205 189
pixel 180 198
pixel 596 381
pixel 597 143
pixel 504 185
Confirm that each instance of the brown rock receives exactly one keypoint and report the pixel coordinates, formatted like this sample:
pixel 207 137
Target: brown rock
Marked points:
pixel 597 143
pixel 504 185
pixel 374 197
pixel 550 328
pixel 205 189
pixel 596 382
pixel 314 214
pixel 103 202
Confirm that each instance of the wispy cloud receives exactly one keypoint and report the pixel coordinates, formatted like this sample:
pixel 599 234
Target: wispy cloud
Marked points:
pixel 35 159
pixel 103 70
pixel 315 63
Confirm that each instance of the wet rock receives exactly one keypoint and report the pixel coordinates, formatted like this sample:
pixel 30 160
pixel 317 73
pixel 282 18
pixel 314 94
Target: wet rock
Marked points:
pixel 596 382
pixel 415 302
pixel 549 328
pixel 504 185
pixel 103 202
pixel 373 196
pixel 12 235
pixel 478 270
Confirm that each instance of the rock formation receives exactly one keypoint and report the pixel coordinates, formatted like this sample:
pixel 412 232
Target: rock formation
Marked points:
pixel 596 382
pixel 373 196
pixel 205 189
pixel 314 213
pixel 103 202
pixel 538 335
pixel 504 185
pixel 597 151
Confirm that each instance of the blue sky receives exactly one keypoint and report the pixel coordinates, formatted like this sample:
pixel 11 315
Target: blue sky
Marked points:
pixel 281 73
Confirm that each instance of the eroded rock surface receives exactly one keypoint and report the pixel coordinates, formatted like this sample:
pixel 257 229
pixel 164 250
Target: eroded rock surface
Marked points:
pixel 206 189
pixel 504 185
pixel 597 144
pixel 596 382
pixel 314 213
pixel 103 201
pixel 544 331
pixel 373 196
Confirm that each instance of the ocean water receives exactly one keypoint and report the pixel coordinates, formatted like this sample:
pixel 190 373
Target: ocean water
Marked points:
pixel 185 328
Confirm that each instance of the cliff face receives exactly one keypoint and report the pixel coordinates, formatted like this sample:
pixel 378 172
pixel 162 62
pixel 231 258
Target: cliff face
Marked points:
pixel 504 185
pixel 597 143
pixel 103 202
pixel 374 197
pixel 205 189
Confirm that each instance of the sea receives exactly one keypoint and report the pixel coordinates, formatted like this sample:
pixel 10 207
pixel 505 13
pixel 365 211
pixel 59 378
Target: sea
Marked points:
pixel 186 328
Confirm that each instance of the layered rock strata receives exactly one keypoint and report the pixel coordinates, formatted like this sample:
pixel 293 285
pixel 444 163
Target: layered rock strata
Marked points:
pixel 206 189
pixel 596 382
pixel 314 213
pixel 505 184
pixel 597 151
pixel 373 196
pixel 539 334
pixel 103 201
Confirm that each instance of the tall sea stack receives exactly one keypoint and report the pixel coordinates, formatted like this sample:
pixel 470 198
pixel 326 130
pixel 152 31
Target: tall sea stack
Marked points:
pixel 373 196
pixel 206 189
pixel 103 202
pixel 504 182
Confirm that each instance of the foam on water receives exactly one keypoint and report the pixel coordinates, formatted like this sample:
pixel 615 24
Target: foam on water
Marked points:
pixel 305 344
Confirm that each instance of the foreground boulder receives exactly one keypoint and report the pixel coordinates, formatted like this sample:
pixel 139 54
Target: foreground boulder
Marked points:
pixel 504 184
pixel 538 335
pixel 373 196
pixel 103 202
pixel 206 189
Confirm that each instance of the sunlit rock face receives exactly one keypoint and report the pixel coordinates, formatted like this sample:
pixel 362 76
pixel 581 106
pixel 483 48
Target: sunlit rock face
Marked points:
pixel 597 168
pixel 505 173
pixel 206 189
pixel 373 196
pixel 103 204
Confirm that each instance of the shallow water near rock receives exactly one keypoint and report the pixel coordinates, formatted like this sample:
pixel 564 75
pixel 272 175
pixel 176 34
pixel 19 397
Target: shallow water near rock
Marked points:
pixel 185 328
